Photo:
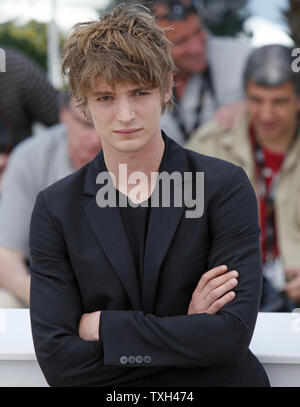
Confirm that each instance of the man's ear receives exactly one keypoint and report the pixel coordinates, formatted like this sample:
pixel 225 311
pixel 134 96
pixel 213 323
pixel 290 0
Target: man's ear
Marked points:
pixel 87 114
pixel 298 103
pixel 169 89
pixel 63 111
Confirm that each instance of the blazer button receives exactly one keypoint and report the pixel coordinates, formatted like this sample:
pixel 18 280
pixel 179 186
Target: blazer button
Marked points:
pixel 123 360
pixel 147 359
pixel 131 359
pixel 139 359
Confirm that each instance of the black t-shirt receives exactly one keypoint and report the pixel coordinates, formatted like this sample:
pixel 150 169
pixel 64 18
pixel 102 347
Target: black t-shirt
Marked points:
pixel 135 219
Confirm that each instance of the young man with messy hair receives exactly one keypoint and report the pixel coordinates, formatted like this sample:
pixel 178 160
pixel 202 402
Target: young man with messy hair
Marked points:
pixel 120 294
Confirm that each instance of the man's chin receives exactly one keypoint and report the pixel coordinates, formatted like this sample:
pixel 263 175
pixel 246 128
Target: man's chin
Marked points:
pixel 269 131
pixel 269 135
pixel 129 146
pixel 194 68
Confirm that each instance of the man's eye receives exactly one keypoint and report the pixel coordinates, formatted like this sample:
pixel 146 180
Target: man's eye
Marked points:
pixel 280 102
pixel 105 98
pixel 141 93
pixel 255 100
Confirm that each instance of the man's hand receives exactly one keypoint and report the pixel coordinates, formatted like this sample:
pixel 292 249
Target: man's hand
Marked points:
pixel 228 115
pixel 292 288
pixel 3 162
pixel 213 291
pixel 14 275
pixel 89 326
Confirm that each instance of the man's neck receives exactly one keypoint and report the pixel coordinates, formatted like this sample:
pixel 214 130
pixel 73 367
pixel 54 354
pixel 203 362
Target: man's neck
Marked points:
pixel 146 161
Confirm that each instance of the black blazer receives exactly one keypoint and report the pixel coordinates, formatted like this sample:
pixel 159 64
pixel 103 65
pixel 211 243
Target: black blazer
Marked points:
pixel 81 262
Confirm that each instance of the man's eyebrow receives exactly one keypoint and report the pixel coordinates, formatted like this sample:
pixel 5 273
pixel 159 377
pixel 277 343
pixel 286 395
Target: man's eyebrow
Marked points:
pixel 103 93
pixel 185 38
pixel 140 88
pixel 100 93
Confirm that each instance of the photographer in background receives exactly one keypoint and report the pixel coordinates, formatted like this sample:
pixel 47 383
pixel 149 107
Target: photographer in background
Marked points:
pixel 26 97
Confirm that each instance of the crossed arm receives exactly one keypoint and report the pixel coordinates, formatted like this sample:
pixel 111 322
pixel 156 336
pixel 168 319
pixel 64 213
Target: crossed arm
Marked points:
pixel 213 292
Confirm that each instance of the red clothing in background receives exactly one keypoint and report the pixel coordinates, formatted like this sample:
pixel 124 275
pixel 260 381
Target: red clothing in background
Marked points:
pixel 272 165
pixel 274 162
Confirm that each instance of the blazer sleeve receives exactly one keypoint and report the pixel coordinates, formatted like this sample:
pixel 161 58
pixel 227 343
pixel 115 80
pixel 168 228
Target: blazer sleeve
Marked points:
pixel 55 311
pixel 202 339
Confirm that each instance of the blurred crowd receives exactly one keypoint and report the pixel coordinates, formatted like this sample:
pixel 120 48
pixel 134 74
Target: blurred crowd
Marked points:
pixel 231 101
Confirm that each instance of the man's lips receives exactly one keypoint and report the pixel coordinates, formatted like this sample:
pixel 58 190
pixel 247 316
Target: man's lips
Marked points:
pixel 269 126
pixel 127 131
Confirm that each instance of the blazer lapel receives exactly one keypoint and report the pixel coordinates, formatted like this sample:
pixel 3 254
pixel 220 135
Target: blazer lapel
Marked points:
pixel 162 226
pixel 108 227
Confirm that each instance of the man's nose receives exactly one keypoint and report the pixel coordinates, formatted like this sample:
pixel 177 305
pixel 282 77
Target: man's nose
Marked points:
pixel 125 111
pixel 266 112
pixel 196 44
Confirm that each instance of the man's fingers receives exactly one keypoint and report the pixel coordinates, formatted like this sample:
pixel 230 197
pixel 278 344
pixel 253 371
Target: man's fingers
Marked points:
pixel 217 282
pixel 220 303
pixel 209 275
pixel 291 272
pixel 208 283
pixel 212 289
pixel 218 292
pixel 292 289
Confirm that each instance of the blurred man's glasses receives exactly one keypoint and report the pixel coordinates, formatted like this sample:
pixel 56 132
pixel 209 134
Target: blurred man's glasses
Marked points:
pixel 175 10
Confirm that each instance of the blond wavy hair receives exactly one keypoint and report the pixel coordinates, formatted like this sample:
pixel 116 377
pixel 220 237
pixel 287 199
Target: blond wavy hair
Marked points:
pixel 124 45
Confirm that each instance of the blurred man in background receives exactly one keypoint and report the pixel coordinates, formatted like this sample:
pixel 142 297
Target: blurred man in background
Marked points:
pixel 209 70
pixel 265 142
pixel 26 97
pixel 35 164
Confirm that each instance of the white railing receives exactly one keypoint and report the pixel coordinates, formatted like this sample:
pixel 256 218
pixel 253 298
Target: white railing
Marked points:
pixel 276 343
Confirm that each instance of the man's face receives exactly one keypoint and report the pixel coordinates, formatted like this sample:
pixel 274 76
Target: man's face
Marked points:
pixel 83 139
pixel 189 43
pixel 273 111
pixel 126 117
